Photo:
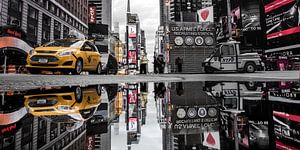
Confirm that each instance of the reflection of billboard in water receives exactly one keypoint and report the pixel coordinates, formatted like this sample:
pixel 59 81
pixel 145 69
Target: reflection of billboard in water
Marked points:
pixel 286 120
pixel 186 119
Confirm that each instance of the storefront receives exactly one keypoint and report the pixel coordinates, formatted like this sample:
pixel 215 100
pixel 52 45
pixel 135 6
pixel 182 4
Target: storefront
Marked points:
pixel 13 49
pixel 283 60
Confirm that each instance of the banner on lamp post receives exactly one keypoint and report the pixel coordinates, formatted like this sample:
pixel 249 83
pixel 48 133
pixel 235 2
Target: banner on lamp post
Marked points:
pixel 206 14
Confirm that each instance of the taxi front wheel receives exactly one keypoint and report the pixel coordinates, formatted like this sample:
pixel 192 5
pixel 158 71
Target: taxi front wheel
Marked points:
pixel 78 67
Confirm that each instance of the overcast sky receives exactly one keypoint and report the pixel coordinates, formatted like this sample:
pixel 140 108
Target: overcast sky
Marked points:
pixel 148 11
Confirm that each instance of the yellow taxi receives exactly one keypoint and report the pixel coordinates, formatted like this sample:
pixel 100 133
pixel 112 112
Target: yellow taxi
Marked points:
pixel 66 55
pixel 82 102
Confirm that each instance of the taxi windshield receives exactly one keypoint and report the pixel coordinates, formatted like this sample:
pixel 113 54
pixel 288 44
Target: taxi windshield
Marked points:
pixel 64 43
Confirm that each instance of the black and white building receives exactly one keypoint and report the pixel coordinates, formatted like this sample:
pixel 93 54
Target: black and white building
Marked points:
pixel 45 20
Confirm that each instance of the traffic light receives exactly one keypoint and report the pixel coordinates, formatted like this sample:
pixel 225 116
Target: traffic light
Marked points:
pixel 177 6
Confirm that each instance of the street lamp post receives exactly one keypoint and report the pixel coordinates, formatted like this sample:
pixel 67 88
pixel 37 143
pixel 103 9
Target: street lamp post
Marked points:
pixel 229 21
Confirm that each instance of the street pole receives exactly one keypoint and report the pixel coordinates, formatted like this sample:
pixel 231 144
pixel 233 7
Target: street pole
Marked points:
pixel 137 45
pixel 127 48
pixel 236 130
pixel 5 60
pixel 229 21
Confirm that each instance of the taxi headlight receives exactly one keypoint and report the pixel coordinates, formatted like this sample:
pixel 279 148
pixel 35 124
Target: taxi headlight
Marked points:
pixel 66 52
pixel 31 52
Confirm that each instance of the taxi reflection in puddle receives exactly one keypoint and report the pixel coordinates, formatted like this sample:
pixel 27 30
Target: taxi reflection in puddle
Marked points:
pixel 67 104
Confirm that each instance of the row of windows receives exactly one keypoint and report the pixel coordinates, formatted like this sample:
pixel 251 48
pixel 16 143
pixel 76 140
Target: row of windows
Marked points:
pixel 15 14
pixel 60 13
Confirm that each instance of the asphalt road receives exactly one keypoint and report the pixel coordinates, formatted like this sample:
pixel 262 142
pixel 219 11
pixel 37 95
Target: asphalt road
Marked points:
pixel 25 82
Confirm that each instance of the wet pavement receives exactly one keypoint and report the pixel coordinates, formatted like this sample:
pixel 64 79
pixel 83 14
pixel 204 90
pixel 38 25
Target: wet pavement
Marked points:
pixel 153 116
pixel 25 82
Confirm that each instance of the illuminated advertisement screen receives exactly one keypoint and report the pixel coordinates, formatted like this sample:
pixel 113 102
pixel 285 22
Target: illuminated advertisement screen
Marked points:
pixel 250 15
pixel 132 57
pixel 282 22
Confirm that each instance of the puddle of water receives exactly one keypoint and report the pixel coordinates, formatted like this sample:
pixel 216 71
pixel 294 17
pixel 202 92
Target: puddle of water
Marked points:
pixel 166 116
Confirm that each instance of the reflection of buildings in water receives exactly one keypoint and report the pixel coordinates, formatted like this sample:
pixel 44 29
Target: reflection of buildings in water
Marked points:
pixel 252 121
pixel 232 94
pixel 136 97
pixel 285 121
pixel 189 117
pixel 35 133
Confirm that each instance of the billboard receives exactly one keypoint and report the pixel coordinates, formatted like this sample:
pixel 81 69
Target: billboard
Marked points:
pixel 132 31
pixel 281 18
pixel 282 22
pixel 132 57
pixel 250 13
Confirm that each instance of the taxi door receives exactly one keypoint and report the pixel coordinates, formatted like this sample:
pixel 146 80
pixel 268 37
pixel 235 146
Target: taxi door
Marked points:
pixel 228 58
pixel 86 49
pixel 93 56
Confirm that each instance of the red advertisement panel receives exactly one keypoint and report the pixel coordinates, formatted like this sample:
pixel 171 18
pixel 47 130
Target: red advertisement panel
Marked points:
pixel 132 57
pixel 92 14
pixel 282 18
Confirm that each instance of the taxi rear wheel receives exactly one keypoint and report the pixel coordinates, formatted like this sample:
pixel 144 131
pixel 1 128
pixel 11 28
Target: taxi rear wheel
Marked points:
pixel 78 67
pixel 78 94
pixel 98 69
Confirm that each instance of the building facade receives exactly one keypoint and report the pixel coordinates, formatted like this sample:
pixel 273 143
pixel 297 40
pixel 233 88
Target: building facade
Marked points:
pixel 179 51
pixel 45 20
pixel 183 10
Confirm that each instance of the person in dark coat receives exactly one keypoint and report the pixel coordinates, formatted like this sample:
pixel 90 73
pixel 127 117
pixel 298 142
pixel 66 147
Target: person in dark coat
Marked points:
pixel 178 63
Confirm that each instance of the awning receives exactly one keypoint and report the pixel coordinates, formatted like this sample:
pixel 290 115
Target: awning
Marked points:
pixel 16 43
pixel 13 117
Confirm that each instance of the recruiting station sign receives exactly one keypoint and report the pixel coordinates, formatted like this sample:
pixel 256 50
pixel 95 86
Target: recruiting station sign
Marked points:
pixel 192 35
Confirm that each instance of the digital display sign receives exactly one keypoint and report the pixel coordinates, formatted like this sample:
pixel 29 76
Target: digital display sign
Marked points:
pixel 250 15
pixel 281 18
pixel 282 22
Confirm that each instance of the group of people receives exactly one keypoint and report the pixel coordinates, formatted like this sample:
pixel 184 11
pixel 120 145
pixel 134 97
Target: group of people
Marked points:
pixel 159 64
